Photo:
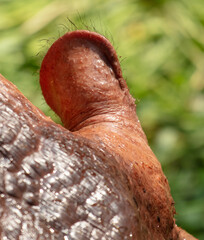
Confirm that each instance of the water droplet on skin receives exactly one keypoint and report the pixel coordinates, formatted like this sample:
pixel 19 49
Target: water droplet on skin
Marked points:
pixel 99 63
pixel 19 207
pixel 30 198
pixel 11 185
pixel 52 230
pixel 111 71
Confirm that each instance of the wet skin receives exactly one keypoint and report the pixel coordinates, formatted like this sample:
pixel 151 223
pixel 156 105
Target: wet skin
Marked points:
pixel 99 178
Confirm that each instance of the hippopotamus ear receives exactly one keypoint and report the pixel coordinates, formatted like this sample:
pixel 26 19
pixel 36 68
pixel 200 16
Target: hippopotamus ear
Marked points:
pixel 97 179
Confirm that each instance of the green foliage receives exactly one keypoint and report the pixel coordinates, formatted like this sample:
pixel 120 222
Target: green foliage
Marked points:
pixel 162 47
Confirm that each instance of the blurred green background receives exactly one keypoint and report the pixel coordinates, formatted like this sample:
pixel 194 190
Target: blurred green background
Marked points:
pixel 161 44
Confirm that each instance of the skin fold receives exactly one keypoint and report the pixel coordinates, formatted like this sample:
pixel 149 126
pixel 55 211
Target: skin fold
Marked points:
pixel 55 185
pixel 82 82
pixel 86 89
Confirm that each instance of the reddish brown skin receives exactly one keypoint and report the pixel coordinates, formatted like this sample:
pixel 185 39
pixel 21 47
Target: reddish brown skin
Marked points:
pixel 82 82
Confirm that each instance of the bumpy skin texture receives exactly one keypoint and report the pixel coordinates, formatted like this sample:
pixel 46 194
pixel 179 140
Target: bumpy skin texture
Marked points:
pixel 54 185
pixel 101 181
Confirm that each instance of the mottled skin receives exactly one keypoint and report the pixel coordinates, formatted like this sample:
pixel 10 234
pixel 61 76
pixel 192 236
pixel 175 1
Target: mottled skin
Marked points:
pixel 54 185
pixel 102 181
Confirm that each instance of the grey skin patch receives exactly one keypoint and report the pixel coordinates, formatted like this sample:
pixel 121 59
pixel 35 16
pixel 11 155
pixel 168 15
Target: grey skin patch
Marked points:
pixel 55 185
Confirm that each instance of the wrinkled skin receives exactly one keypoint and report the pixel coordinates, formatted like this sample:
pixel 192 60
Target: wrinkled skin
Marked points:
pixel 97 180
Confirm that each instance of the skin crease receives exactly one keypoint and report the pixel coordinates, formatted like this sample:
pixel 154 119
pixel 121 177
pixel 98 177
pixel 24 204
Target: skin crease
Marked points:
pixel 56 185
pixel 82 82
